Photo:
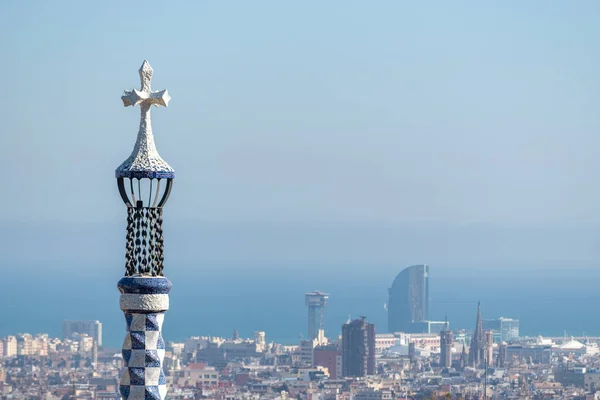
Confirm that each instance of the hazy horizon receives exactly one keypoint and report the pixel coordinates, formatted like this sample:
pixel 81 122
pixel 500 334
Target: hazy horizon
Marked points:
pixel 314 246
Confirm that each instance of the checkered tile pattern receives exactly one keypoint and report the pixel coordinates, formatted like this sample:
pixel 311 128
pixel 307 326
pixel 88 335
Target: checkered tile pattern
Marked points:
pixel 143 352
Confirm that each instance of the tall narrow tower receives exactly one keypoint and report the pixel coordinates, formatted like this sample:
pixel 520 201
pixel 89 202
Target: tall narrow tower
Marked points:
pixel 316 302
pixel 144 181
pixel 358 348
pixel 446 346
pixel 477 350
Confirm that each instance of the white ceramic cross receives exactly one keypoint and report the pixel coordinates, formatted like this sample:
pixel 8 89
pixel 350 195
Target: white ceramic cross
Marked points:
pixel 144 161
pixel 146 96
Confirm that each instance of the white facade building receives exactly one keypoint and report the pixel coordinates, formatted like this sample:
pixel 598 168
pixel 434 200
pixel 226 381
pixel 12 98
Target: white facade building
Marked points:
pixel 91 328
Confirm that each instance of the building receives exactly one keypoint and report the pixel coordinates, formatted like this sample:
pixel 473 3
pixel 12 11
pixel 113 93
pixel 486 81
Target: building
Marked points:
pixel 426 341
pixel 329 357
pixel 408 298
pixel 477 351
pixel 489 347
pixel 260 340
pixel 446 348
pixel 316 302
pixel 197 374
pixel 307 352
pixel 505 329
pixel 426 327
pixel 95 354
pixel 501 359
pixel 90 328
pixel 412 351
pixel 578 376
pixel 24 345
pixel 568 375
pixel 591 381
pixel 195 343
pixel 10 346
pixel 85 344
pixel 524 354
pixel 358 348
pixel 39 346
pixel 237 351
pixel 384 341
pixel 372 394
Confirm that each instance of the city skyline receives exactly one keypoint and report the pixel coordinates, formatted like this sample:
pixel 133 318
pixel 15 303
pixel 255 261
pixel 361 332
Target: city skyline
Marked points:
pixel 455 300
pixel 342 147
pixel 370 363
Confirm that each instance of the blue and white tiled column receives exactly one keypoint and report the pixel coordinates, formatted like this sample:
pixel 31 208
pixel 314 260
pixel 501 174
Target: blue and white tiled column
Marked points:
pixel 144 300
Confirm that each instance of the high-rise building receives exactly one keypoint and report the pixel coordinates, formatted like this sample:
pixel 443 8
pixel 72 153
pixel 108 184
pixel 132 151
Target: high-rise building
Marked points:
pixel 329 357
pixel 90 328
pixel 316 302
pixel 489 347
pixel 24 345
pixel 10 346
pixel 505 329
pixel 408 298
pixel 307 352
pixel 85 344
pixel 412 351
pixel 358 348
pixel 446 348
pixel 95 354
pixel 500 361
pixel 40 345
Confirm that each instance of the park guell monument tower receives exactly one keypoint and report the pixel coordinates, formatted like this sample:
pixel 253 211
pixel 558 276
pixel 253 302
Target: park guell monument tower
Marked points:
pixel 144 180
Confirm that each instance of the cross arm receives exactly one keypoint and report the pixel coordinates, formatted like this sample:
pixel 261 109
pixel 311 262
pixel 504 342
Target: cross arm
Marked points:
pixel 134 97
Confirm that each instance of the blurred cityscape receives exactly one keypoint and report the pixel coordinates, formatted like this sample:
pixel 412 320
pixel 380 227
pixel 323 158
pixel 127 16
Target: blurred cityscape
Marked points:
pixel 416 358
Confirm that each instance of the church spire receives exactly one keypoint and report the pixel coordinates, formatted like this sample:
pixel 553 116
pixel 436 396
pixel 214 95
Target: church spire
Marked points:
pixel 479 324
pixel 463 357
pixel 476 352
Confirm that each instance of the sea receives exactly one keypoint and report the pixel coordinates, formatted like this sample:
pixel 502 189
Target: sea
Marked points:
pixel 216 301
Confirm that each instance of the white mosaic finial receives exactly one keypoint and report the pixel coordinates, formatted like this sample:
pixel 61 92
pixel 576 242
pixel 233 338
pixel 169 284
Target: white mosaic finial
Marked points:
pixel 144 161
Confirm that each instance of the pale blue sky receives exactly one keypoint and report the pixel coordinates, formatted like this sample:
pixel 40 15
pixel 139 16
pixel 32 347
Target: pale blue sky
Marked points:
pixel 313 112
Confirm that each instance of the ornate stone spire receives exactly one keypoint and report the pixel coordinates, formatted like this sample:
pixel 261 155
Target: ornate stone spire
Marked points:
pixel 144 161
pixel 144 289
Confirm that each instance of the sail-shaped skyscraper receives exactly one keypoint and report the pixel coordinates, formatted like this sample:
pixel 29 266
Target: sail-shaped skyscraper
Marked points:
pixel 409 299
